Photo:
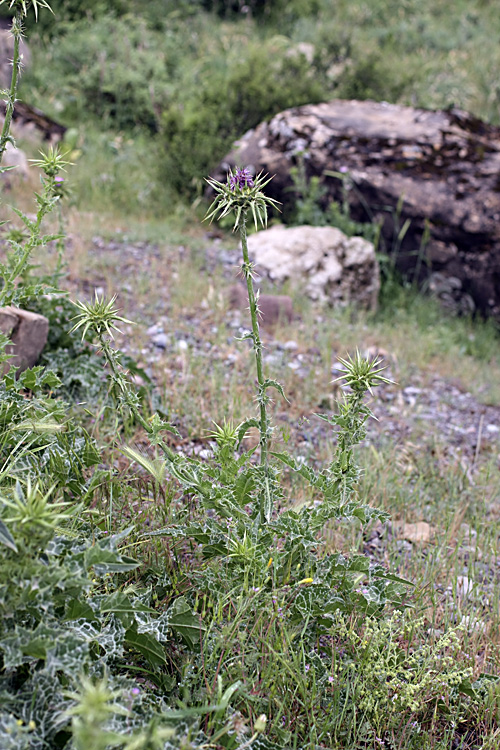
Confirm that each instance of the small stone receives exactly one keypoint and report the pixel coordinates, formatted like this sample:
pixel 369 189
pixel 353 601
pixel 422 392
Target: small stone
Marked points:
pixel 28 333
pixel 291 346
pixel 274 308
pixel 160 340
pixel 492 428
pixel 271 359
pixel 338 369
pixel 417 532
pixel 182 345
pixel 464 586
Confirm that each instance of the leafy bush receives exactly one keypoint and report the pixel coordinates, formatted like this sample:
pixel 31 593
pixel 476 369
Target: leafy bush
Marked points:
pixel 100 70
pixel 309 206
pixel 283 11
pixel 372 76
pixel 230 96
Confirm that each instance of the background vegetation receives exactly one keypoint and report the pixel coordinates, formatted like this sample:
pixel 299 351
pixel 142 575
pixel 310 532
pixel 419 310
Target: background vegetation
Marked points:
pixel 174 75
pixel 145 601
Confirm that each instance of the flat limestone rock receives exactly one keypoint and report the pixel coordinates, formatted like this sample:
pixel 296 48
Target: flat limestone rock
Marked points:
pixel 322 262
pixel 28 333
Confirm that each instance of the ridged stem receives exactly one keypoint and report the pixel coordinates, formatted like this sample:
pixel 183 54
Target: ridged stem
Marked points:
pixel 266 500
pixel 16 68
pixel 257 345
pixel 124 387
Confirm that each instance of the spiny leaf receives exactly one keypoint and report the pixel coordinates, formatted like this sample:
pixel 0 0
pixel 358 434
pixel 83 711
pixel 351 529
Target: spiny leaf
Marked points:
pixel 274 384
pixel 185 622
pixel 146 645
pixel 245 426
pixel 6 537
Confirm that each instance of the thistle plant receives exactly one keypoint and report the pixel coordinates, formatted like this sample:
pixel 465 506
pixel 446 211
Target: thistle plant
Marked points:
pixel 21 11
pixel 102 317
pixel 242 195
pixel 21 248
pixel 16 30
pixel 51 163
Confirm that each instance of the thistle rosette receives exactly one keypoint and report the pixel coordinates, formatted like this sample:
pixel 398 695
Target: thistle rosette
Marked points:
pixel 240 194
pixel 52 162
pixel 100 316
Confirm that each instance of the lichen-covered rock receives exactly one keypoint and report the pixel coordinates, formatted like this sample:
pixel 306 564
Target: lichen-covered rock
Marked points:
pixel 322 262
pixel 435 173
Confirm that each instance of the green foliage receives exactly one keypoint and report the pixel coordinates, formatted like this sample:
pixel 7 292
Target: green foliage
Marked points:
pixel 62 617
pixel 309 205
pixel 75 362
pixel 117 72
pixel 250 631
pixel 232 94
pixel 308 196
pixel 281 11
pixel 375 77
pixel 342 685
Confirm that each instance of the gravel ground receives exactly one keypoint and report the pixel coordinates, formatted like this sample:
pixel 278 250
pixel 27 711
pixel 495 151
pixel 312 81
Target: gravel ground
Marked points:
pixel 432 405
pixel 428 411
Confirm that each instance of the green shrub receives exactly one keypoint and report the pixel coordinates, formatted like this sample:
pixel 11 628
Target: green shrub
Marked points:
pixel 282 11
pixel 374 77
pixel 115 70
pixel 229 96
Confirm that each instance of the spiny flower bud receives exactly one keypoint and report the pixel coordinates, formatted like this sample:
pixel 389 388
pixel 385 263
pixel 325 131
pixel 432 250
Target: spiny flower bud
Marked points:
pixel 241 193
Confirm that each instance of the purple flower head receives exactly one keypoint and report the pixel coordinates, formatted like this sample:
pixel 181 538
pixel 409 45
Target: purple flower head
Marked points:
pixel 241 178
pixel 58 179
pixel 135 691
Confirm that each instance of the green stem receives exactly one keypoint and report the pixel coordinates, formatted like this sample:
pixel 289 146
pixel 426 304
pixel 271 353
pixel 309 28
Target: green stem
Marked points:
pixel 19 266
pixel 257 343
pixel 11 99
pixel 124 387
pixel 61 245
pixel 264 427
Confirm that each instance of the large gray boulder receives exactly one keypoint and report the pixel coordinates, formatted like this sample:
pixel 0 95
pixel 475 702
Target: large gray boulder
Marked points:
pixel 28 333
pixel 322 262
pixel 436 172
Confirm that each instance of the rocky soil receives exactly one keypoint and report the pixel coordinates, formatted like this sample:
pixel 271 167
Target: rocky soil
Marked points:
pixel 430 406
pixel 421 413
